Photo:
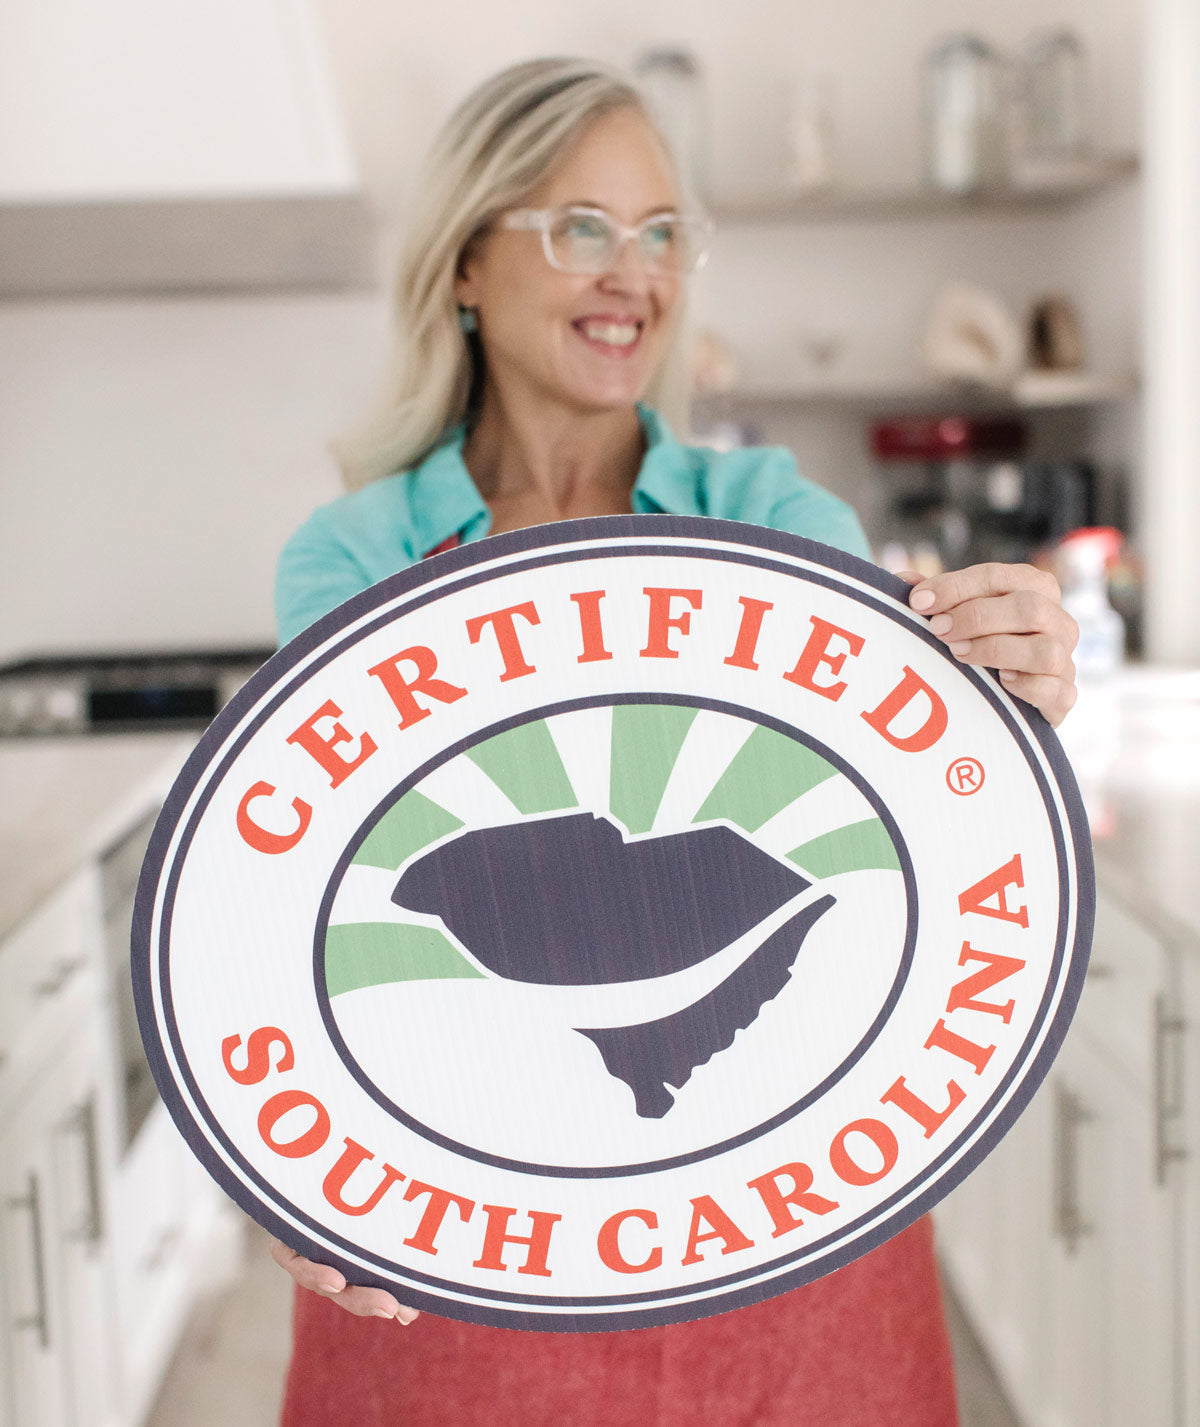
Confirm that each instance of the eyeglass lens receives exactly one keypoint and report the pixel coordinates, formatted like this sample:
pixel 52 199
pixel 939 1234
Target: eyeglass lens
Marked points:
pixel 589 243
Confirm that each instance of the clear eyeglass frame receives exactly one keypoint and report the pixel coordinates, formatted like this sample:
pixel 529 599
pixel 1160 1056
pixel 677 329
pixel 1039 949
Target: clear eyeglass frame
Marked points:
pixel 696 230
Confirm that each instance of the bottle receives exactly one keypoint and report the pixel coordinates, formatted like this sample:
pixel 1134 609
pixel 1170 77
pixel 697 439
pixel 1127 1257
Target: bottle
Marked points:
pixel 1084 558
pixel 1057 115
pixel 964 115
pixel 808 162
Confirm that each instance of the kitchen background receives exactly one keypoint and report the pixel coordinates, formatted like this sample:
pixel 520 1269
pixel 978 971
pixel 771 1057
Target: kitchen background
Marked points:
pixel 198 210
pixel 198 204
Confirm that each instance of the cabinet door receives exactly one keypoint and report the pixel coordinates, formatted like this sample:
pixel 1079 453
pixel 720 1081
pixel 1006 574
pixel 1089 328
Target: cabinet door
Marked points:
pixel 89 1323
pixel 174 1235
pixel 32 1303
pixel 56 1286
pixel 994 1236
pixel 1112 1296
pixel 1180 1135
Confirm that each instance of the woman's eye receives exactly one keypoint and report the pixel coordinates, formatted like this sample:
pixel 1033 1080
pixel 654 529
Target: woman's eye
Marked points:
pixel 584 229
pixel 659 238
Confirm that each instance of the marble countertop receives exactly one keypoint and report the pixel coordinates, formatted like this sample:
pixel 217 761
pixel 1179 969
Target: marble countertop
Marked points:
pixel 63 799
pixel 1135 749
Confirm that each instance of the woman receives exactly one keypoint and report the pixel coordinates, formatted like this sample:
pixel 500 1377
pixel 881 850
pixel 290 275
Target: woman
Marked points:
pixel 540 295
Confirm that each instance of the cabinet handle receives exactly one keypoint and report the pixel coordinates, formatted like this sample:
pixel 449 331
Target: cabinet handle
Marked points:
pixel 39 1320
pixel 59 977
pixel 1069 1219
pixel 83 1123
pixel 1168 1085
pixel 161 1249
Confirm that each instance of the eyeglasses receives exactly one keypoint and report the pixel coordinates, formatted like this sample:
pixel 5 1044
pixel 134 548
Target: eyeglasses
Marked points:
pixel 589 240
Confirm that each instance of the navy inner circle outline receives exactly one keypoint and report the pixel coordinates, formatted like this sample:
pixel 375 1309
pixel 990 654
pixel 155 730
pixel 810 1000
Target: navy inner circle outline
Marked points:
pixel 409 590
pixel 674 1161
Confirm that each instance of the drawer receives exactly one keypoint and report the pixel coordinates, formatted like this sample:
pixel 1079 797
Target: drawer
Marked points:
pixel 1128 974
pixel 48 972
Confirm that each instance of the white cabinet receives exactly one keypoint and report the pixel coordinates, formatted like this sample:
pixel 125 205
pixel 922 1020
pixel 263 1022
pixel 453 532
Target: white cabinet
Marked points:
pixel 104 1244
pixel 1067 1244
pixel 34 1286
pixel 173 1234
pixel 58 1331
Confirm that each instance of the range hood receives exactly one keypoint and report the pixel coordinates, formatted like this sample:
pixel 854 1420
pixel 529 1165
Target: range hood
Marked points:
pixel 167 145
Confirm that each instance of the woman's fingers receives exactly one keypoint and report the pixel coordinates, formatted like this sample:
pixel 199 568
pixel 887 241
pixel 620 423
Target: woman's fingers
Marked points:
pixel 320 1278
pixel 1006 617
pixel 327 1281
pixel 1026 653
pixel 955 587
pixel 1055 698
pixel 1019 612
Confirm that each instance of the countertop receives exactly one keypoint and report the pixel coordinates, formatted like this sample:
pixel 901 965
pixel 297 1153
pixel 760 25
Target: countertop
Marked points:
pixel 63 799
pixel 1134 745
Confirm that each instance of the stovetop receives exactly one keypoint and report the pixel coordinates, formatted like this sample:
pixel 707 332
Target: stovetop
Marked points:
pixel 136 690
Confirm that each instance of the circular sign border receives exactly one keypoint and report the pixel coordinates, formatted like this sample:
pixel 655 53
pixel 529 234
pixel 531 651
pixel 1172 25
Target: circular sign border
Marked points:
pixel 717 1295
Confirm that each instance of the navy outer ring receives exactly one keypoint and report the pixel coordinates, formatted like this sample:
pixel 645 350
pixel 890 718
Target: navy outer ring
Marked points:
pixel 575 1313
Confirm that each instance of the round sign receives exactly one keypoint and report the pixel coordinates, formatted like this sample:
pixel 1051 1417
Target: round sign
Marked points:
pixel 610 923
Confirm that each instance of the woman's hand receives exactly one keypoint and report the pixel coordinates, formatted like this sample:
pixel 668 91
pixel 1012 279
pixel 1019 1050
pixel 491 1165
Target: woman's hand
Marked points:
pixel 320 1278
pixel 1009 618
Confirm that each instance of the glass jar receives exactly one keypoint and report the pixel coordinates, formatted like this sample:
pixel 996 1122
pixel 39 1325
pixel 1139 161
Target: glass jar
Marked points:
pixel 964 115
pixel 1055 92
pixel 671 82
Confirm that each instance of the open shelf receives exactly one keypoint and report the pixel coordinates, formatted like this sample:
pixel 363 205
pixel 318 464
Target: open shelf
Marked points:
pixel 1031 392
pixel 1047 188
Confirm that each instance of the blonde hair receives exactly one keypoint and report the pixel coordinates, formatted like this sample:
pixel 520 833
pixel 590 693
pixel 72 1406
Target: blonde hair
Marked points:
pixel 500 142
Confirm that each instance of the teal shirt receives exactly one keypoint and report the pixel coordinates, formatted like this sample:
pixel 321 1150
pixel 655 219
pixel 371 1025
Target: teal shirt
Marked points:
pixel 361 538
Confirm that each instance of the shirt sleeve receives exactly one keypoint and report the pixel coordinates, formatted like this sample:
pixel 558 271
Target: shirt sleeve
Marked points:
pixel 817 515
pixel 762 484
pixel 315 573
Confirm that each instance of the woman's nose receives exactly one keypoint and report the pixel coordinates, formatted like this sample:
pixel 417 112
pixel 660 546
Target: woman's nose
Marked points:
pixel 629 268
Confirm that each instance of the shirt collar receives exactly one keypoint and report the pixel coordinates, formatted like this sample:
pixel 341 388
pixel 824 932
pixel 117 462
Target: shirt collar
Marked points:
pixel 445 501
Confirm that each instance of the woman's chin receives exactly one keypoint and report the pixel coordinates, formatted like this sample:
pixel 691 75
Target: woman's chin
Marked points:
pixel 611 391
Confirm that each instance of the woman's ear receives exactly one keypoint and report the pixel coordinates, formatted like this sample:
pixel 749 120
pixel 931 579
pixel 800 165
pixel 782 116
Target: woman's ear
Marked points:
pixel 466 283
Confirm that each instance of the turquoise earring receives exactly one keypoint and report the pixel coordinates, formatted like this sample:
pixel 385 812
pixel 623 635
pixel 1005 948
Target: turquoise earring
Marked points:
pixel 468 318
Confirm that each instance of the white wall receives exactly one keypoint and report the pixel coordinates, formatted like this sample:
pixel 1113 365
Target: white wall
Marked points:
pixel 150 98
pixel 154 454
pixel 1172 494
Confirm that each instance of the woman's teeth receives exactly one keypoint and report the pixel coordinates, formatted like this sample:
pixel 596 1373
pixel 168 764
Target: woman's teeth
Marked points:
pixel 612 334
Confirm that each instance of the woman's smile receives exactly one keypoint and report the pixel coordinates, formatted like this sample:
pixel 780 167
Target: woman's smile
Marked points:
pixel 611 335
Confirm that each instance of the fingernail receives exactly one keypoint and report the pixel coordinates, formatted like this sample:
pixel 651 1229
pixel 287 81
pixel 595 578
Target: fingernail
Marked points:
pixel 940 623
pixel 328 1289
pixel 963 646
pixel 921 599
pixel 406 1321
pixel 1007 674
pixel 381 1313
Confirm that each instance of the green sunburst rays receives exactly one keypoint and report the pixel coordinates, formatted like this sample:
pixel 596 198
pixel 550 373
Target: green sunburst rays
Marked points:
pixel 674 765
pixel 371 941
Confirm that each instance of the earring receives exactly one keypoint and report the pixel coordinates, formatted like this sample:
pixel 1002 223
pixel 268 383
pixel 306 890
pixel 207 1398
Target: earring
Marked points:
pixel 468 318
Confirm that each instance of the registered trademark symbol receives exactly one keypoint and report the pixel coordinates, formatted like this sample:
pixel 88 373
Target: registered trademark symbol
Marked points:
pixel 965 776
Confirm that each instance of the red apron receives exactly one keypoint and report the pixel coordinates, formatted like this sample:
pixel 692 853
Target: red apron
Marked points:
pixel 865 1347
